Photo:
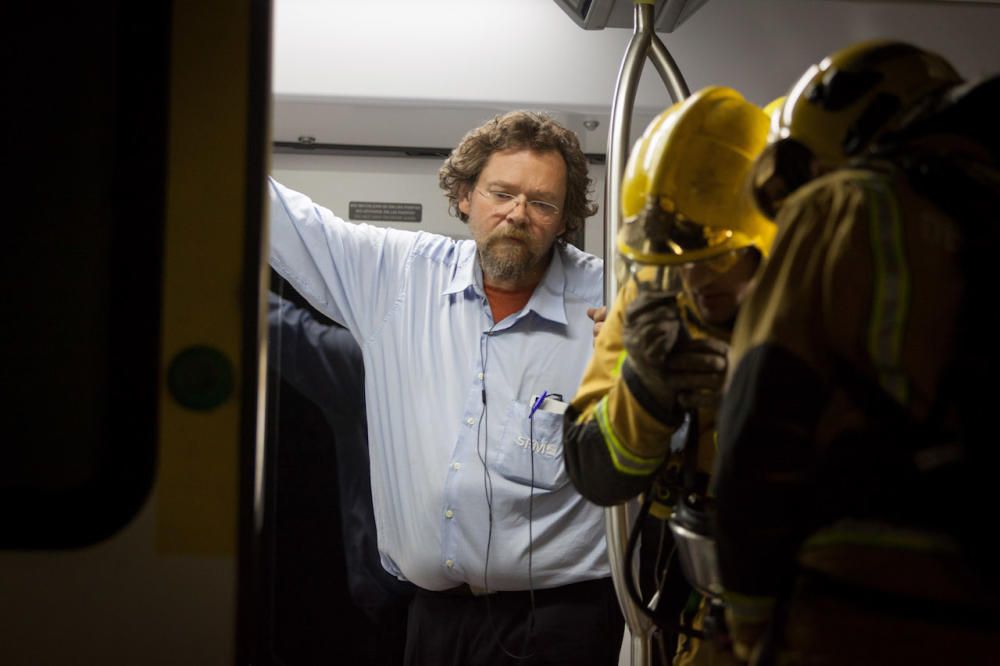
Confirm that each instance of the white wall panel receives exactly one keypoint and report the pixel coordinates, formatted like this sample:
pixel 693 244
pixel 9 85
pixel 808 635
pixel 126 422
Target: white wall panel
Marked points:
pixel 333 181
pixel 399 70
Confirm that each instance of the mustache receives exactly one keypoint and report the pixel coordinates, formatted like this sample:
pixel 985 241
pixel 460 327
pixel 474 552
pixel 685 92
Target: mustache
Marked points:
pixel 508 234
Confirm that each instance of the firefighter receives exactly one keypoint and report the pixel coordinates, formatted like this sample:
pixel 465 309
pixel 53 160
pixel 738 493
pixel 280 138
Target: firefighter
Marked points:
pixel 690 244
pixel 851 457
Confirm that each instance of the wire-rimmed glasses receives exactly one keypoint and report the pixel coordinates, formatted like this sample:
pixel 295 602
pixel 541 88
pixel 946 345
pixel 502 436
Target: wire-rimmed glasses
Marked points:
pixel 543 210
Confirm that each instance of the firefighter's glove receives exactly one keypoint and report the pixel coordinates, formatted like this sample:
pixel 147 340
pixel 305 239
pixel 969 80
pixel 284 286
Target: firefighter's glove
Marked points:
pixel 678 372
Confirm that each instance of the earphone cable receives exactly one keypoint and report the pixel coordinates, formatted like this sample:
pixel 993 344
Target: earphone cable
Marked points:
pixel 482 450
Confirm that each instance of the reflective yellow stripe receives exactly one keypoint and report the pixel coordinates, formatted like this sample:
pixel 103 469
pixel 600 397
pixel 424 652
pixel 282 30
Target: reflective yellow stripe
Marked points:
pixel 882 538
pixel 617 370
pixel 891 291
pixel 624 460
pixel 747 607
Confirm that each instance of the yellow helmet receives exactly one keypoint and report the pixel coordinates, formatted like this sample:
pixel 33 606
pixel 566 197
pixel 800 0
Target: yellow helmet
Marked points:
pixel 685 196
pixel 774 107
pixel 840 107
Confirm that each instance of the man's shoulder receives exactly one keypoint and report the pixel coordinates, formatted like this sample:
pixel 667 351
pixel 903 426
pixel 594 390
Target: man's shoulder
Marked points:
pixel 441 249
pixel 584 274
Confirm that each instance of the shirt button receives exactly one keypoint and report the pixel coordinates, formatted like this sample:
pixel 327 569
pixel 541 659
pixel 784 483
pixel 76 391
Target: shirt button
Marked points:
pixel 449 563
pixel 481 375
pixel 449 514
pixel 456 466
pixel 470 421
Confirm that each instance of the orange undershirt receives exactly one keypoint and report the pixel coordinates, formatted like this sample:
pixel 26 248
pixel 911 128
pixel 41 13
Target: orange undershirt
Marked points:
pixel 504 302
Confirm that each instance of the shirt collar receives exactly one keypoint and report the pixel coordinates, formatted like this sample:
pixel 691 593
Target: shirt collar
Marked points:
pixel 467 272
pixel 548 299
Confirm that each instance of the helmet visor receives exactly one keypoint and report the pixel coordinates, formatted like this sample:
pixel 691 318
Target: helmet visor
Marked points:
pixel 669 279
pixel 659 237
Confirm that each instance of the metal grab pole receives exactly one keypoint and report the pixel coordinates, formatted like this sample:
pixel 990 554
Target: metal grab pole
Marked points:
pixel 644 43
pixel 618 136
pixel 668 70
pixel 616 518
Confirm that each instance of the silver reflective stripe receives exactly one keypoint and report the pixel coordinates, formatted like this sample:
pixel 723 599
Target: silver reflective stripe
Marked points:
pixel 891 290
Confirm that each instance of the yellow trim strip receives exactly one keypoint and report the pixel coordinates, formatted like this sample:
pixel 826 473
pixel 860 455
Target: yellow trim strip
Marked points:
pixel 624 460
pixel 617 370
pixel 927 543
pixel 748 607
pixel 892 292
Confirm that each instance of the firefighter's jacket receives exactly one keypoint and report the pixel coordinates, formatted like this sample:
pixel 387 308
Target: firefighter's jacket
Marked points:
pixel 836 433
pixel 617 439
pixel 616 435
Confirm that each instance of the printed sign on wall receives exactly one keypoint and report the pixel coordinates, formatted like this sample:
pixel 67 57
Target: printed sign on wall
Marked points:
pixel 380 211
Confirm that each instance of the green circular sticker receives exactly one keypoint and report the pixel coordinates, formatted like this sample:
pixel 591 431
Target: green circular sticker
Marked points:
pixel 200 378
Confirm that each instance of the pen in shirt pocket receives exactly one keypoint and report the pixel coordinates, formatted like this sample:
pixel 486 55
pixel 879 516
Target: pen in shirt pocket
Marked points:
pixel 547 402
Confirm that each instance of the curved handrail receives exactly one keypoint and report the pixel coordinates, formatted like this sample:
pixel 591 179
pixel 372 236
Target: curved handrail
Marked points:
pixel 644 43
pixel 619 130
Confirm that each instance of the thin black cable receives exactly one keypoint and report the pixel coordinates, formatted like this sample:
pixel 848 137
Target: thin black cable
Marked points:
pixel 531 539
pixel 630 545
pixel 661 581
pixel 483 453
pixel 531 500
pixel 659 547
pixel 688 478
pixel 633 540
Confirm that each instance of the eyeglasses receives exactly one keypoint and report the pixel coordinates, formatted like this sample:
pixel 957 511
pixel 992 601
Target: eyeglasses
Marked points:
pixel 540 209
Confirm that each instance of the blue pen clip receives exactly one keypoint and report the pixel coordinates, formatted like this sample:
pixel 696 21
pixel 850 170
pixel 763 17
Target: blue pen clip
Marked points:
pixel 538 403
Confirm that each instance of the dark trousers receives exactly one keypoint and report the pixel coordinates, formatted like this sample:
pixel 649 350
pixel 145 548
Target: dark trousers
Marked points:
pixel 574 625
pixel 385 639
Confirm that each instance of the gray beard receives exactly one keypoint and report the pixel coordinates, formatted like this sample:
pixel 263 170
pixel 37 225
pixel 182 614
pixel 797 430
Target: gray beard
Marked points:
pixel 510 262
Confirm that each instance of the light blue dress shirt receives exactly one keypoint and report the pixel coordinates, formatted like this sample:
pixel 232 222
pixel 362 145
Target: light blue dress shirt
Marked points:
pixel 432 353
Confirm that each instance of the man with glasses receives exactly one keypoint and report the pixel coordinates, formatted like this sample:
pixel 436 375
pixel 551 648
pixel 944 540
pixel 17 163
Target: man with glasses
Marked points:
pixel 468 349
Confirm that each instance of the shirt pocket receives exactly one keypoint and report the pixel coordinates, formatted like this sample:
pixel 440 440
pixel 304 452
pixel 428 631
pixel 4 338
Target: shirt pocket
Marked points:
pixel 540 465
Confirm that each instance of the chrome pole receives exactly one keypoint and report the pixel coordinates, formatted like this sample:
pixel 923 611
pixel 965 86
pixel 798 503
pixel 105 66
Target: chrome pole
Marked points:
pixel 668 70
pixel 644 43
pixel 618 136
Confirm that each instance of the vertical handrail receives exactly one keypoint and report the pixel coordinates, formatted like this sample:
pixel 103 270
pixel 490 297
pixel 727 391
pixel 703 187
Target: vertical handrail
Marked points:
pixel 617 519
pixel 644 43
pixel 618 136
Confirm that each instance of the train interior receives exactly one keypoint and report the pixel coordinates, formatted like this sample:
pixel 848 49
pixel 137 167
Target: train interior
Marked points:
pixel 167 496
